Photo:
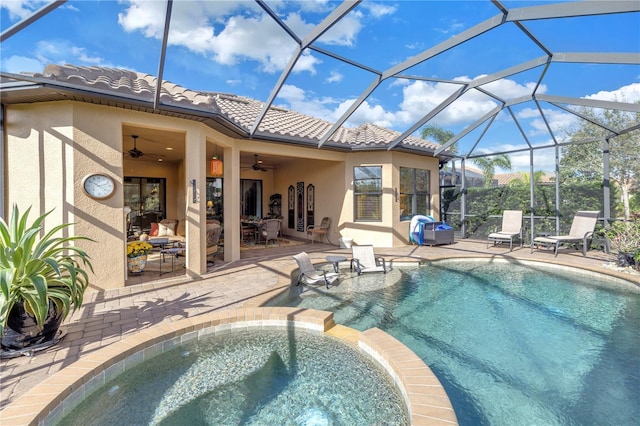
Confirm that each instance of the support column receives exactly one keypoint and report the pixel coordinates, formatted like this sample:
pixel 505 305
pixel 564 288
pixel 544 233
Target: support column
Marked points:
pixel 231 185
pixel 606 184
pixel 195 179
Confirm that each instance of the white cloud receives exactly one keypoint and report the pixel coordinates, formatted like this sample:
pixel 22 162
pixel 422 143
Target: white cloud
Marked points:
pixel 558 121
pixel 306 62
pixel 297 100
pixel 230 32
pixel 419 98
pixel 19 9
pixel 509 89
pixel 345 31
pixel 542 159
pixel 335 77
pixel 367 113
pixel 630 93
pixel 379 10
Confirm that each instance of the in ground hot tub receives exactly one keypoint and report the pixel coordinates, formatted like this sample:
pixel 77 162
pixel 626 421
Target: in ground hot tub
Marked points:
pixel 246 366
pixel 256 376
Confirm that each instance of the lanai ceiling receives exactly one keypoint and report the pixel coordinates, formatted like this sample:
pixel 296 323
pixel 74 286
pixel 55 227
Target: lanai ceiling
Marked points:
pixel 505 76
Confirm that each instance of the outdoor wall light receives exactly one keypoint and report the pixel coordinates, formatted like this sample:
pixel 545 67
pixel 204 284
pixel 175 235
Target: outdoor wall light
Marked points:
pixel 194 191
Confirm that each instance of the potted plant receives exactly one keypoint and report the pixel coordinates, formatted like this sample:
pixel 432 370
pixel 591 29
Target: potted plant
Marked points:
pixel 42 279
pixel 137 255
pixel 624 238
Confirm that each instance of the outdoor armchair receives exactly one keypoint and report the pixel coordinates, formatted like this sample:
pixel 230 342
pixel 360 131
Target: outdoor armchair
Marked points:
pixel 365 260
pixel 321 230
pixel 269 231
pixel 308 274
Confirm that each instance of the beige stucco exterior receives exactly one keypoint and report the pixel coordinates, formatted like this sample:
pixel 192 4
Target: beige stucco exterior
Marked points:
pixel 52 146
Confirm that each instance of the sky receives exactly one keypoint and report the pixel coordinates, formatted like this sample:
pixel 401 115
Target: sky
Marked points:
pixel 235 47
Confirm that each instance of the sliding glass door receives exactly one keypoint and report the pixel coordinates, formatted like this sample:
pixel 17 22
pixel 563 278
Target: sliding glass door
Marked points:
pixel 215 199
pixel 251 197
pixel 147 199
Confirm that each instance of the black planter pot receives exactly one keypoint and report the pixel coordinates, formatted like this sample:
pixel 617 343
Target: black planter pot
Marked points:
pixel 626 259
pixel 22 330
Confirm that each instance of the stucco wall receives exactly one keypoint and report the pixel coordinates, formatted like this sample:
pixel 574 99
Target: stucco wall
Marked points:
pixel 51 147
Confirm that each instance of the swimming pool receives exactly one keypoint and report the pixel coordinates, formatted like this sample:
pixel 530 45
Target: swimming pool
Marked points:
pixel 249 377
pixel 511 343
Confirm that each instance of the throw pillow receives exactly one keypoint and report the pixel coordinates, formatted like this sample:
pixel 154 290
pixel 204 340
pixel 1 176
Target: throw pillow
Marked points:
pixel 167 228
pixel 154 229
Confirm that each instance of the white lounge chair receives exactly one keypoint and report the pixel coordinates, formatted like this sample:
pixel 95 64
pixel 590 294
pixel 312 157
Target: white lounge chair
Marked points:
pixel 582 227
pixel 511 228
pixel 309 275
pixel 365 260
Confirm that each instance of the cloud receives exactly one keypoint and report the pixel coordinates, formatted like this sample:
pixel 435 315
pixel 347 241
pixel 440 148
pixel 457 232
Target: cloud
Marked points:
pixel 297 100
pixel 367 113
pixel 334 77
pixel 344 32
pixel 379 10
pixel 542 159
pixel 234 32
pixel 20 9
pixel 630 93
pixel 420 97
pixel 558 121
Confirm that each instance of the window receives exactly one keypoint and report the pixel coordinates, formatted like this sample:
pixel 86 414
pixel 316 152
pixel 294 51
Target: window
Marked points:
pixel 147 199
pixel 367 187
pixel 414 192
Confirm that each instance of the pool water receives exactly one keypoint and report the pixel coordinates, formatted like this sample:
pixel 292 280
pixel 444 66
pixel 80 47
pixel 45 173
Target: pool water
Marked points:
pixel 511 344
pixel 250 377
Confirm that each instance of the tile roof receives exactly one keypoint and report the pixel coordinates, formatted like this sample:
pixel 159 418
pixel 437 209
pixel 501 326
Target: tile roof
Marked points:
pixel 506 178
pixel 241 111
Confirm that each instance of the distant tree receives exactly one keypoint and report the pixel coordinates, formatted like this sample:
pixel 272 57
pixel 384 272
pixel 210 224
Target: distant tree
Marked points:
pixel 488 166
pixel 441 136
pixel 524 179
pixel 580 162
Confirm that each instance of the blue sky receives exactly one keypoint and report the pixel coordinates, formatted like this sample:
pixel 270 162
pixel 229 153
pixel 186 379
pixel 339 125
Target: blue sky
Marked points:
pixel 235 47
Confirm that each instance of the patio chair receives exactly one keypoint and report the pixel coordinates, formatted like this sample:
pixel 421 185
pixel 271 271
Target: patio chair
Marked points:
pixel 582 227
pixel 365 260
pixel 308 274
pixel 214 231
pixel 269 231
pixel 511 228
pixel 248 230
pixel 321 230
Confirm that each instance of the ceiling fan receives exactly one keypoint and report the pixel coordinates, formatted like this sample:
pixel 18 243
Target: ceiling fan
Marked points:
pixel 257 165
pixel 135 153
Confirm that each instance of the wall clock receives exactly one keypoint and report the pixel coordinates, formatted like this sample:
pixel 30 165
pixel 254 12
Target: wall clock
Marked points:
pixel 98 186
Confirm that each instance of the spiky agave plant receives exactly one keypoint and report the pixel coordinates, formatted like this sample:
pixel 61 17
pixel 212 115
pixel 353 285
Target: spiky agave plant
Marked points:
pixel 35 270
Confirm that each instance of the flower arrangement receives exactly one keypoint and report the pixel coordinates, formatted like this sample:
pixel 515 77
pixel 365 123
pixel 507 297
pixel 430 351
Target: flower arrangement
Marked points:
pixel 138 248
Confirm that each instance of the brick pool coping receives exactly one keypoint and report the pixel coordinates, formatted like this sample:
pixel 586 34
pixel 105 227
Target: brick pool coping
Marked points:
pixel 53 398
